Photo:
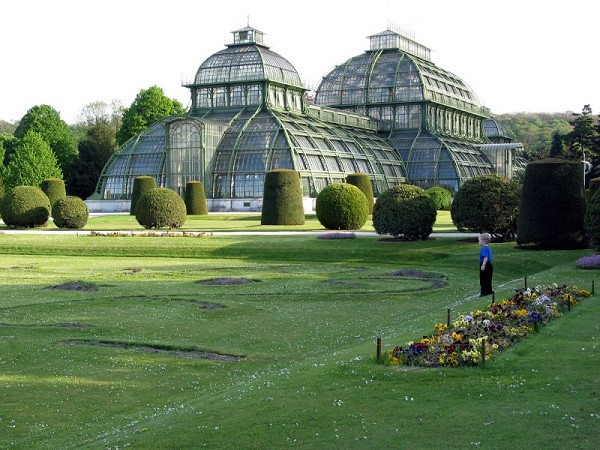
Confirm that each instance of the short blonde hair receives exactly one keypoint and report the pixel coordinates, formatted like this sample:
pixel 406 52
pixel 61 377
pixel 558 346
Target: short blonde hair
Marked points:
pixel 485 238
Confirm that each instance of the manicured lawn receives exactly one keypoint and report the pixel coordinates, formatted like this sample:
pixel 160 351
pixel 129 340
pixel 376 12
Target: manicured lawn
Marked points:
pixel 76 368
pixel 231 222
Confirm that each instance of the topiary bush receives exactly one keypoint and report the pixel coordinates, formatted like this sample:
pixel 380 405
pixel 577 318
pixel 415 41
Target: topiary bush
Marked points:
pixel 552 211
pixel 70 212
pixel 342 206
pixel 593 186
pixel 25 206
pixel 160 208
pixel 195 198
pixel 487 203
pixel 363 182
pixel 282 198
pixel 405 211
pixel 54 188
pixel 141 185
pixel 442 198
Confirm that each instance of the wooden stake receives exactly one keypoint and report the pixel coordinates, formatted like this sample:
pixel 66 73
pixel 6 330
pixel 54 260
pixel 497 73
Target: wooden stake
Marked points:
pixel 448 321
pixel 525 282
pixel 378 348
pixel 593 287
pixel 493 297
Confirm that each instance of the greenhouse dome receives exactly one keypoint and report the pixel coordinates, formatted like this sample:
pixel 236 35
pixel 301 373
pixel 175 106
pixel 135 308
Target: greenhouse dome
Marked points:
pixel 431 116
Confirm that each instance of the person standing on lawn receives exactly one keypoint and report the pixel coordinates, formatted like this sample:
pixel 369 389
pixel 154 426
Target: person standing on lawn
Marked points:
pixel 486 269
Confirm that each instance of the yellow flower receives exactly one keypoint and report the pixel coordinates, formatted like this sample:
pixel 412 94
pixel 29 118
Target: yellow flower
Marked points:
pixel 521 312
pixel 456 336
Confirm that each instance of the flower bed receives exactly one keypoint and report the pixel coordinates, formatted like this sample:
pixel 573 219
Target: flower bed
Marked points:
pixel 497 328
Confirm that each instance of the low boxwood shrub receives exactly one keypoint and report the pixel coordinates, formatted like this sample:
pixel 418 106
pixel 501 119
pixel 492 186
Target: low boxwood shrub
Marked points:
pixel 70 212
pixel 442 198
pixel 363 182
pixel 25 206
pixel 54 188
pixel 342 206
pixel 141 185
pixel 405 211
pixel 282 198
pixel 195 198
pixel 160 208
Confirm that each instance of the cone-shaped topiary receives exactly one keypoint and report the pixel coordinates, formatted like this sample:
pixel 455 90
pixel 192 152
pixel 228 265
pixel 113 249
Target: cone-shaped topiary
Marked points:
pixel 141 185
pixel 195 198
pixel 25 206
pixel 552 212
pixel 342 206
pixel 442 198
pixel 160 208
pixel 282 198
pixel 70 212
pixel 54 188
pixel 488 203
pixel 404 210
pixel 363 182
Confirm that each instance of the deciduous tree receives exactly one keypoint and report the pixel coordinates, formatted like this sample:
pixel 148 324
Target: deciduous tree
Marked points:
pixel 32 162
pixel 149 106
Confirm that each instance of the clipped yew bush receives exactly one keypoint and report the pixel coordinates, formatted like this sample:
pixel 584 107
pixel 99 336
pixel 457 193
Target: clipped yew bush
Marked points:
pixel 442 198
pixel 141 185
pixel 282 198
pixel 160 208
pixel 487 203
pixel 552 212
pixel 195 198
pixel 70 212
pixel 593 186
pixel 363 182
pixel 405 211
pixel 342 206
pixel 54 188
pixel 25 206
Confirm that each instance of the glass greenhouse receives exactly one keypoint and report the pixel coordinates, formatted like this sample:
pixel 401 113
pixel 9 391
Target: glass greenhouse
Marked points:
pixel 390 113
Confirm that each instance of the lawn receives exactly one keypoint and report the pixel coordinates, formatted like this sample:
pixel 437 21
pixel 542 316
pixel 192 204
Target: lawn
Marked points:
pixel 269 342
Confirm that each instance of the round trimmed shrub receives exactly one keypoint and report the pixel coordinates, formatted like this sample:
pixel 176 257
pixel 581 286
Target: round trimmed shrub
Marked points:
pixel 552 212
pixel 282 198
pixel 160 208
pixel 25 206
pixel 342 206
pixel 54 188
pixel 141 185
pixel 195 198
pixel 487 203
pixel 363 182
pixel 442 198
pixel 404 210
pixel 70 212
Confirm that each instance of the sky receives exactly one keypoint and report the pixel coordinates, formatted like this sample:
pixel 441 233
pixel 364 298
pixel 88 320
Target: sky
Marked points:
pixel 516 55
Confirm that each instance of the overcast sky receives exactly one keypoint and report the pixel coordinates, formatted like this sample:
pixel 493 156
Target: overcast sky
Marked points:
pixel 517 55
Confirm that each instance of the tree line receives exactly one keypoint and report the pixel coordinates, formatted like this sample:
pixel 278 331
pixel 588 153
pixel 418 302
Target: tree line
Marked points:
pixel 42 145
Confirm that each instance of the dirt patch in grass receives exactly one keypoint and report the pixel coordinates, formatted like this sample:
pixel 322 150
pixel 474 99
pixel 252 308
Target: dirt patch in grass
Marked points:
pixel 80 286
pixel 185 353
pixel 225 281
pixel 415 273
pixel 209 306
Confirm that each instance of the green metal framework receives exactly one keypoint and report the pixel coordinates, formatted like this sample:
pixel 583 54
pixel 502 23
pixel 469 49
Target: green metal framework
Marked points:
pixel 431 117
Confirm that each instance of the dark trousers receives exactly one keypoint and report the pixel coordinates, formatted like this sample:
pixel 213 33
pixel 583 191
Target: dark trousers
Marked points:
pixel 485 279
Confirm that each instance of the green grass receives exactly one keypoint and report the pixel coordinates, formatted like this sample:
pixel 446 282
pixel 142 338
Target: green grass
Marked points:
pixel 305 328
